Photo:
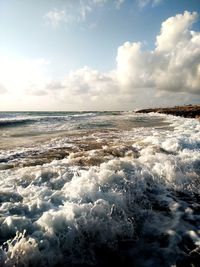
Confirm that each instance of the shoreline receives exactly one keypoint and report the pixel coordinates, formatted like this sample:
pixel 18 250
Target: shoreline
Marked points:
pixel 188 111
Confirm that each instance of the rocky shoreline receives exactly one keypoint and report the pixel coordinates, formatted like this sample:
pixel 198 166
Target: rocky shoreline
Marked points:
pixel 189 111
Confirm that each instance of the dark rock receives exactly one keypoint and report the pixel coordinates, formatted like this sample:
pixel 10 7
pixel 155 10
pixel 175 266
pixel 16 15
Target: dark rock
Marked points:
pixel 189 111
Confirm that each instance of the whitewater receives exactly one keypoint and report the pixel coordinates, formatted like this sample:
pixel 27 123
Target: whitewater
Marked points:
pixel 99 189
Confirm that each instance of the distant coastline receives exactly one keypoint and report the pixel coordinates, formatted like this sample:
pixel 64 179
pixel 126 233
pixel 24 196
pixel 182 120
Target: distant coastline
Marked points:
pixel 187 111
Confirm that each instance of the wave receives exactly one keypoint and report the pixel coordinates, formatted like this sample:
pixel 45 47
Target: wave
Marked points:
pixel 15 122
pixel 11 121
pixel 138 206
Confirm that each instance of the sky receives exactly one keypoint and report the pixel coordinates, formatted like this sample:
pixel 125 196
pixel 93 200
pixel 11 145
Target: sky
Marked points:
pixel 66 55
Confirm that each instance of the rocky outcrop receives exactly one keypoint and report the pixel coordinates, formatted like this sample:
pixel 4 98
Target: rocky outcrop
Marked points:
pixel 189 111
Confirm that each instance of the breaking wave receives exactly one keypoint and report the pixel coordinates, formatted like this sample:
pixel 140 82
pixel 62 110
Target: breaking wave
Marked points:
pixel 128 197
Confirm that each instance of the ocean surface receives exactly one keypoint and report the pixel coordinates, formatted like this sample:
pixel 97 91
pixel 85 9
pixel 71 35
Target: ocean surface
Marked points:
pixel 99 189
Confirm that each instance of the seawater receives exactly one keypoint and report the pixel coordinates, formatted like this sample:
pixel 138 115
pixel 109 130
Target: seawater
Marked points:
pixel 99 188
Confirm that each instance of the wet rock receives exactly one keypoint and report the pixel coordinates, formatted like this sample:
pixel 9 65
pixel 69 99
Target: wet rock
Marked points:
pixel 189 111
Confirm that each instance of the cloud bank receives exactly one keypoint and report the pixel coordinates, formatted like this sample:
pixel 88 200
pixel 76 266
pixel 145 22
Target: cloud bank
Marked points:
pixel 170 72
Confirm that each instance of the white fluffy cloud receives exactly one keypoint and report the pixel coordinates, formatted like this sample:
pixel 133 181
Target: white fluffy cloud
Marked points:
pixel 133 66
pixel 174 64
pixel 176 32
pixel 173 67
pixel 140 77
pixel 178 55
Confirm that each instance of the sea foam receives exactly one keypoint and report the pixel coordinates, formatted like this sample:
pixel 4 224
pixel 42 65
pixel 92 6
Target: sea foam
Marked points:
pixel 137 206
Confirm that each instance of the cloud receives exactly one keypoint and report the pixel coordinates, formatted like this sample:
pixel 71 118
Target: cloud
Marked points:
pixel 87 88
pixel 21 75
pixel 3 89
pixel 178 55
pixel 118 3
pixel 54 85
pixel 76 11
pixel 55 17
pixel 36 92
pixel 174 64
pixel 168 74
pixel 91 82
pixel 144 3
pixel 132 62
pixel 176 31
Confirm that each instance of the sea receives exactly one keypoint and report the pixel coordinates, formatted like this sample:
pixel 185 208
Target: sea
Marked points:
pixel 97 189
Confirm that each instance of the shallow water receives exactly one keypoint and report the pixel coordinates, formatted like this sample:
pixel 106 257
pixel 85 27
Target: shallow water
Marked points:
pixel 99 188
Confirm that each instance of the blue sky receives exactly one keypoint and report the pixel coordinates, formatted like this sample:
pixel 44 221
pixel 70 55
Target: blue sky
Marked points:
pixel 67 52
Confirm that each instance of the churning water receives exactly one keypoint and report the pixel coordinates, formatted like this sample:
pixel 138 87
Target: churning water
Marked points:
pixel 99 189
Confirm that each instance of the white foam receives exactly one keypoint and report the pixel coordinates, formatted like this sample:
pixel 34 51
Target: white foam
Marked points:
pixel 69 212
